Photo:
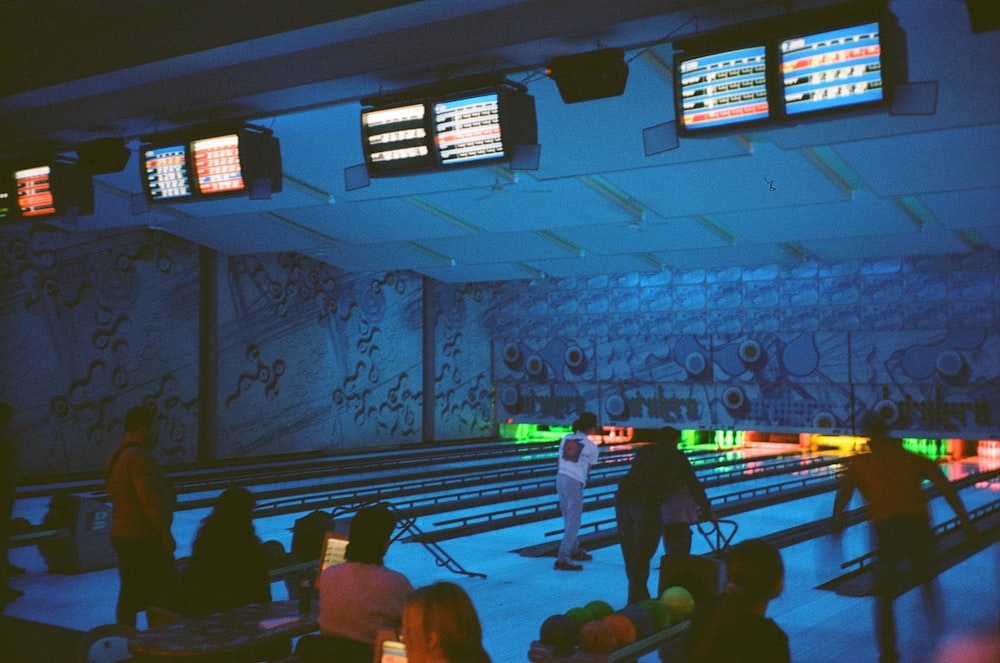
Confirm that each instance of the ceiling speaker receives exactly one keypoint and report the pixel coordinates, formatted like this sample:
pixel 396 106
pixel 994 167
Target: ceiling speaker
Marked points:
pixel 103 155
pixel 593 75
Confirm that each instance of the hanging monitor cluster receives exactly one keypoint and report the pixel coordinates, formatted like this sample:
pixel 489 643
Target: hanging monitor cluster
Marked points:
pixel 210 163
pixel 476 121
pixel 45 188
pixel 845 58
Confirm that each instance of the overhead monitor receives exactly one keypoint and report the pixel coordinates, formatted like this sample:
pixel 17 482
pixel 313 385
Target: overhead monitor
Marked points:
pixel 482 126
pixel 165 171
pixel 217 165
pixel 397 139
pixel 34 191
pixel 51 190
pixel 444 129
pixel 833 69
pixel 722 88
pixel 202 164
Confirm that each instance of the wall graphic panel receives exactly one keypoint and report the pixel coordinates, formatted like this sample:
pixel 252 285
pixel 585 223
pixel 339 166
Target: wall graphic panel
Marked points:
pixel 463 395
pixel 933 383
pixel 807 347
pixel 314 360
pixel 94 325
pixel 782 382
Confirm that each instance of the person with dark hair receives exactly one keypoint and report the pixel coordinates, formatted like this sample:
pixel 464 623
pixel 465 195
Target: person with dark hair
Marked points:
pixel 228 565
pixel 142 512
pixel 440 625
pixel 577 454
pixel 660 482
pixel 360 595
pixel 735 627
pixel 890 480
pixel 8 479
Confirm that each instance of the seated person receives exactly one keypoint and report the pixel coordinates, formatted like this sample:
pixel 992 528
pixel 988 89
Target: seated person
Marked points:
pixel 440 625
pixel 228 565
pixel 360 595
pixel 735 627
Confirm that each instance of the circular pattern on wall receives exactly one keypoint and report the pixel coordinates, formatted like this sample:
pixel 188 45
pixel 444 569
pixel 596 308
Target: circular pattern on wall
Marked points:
pixel 824 419
pixel 949 363
pixel 733 398
pixel 615 406
pixel 535 366
pixel 512 355
pixel 575 360
pixel 750 352
pixel 887 411
pixel 695 364
pixel 510 398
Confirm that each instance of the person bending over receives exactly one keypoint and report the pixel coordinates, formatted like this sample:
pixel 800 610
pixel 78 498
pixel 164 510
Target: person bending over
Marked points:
pixel 577 453
pixel 890 480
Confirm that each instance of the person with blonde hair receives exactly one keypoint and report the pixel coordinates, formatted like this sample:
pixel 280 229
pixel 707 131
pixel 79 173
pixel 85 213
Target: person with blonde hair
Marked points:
pixel 440 625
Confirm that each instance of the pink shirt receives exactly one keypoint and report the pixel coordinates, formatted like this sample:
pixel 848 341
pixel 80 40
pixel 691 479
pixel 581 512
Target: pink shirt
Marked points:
pixel 357 599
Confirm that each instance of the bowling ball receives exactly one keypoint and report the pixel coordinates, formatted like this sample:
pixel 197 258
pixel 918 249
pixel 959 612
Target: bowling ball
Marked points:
pixel 597 636
pixel 658 612
pixel 640 619
pixel 598 609
pixel 579 614
pixel 679 603
pixel 559 632
pixel 622 626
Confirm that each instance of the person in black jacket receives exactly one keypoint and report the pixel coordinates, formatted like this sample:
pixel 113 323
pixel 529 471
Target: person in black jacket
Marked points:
pixel 228 567
pixel 660 484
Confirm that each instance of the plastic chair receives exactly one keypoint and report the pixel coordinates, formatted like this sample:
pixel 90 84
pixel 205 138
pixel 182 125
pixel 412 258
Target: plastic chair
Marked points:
pixel 107 643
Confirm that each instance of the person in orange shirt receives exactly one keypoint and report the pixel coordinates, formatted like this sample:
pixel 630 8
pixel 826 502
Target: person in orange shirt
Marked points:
pixel 142 512
pixel 890 481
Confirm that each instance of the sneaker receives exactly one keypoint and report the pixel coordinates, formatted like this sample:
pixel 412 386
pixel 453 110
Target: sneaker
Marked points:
pixel 565 565
pixel 581 556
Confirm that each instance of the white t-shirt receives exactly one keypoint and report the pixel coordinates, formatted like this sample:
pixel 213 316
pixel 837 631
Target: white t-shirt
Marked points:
pixel 577 453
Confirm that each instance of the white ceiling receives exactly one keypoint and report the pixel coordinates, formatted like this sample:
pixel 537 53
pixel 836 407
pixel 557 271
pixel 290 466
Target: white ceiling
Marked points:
pixel 870 186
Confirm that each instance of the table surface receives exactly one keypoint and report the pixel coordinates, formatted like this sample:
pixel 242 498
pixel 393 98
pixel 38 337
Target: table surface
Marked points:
pixel 224 633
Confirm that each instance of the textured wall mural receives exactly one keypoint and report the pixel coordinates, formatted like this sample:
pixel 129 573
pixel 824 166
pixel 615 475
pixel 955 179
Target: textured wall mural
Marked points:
pixel 463 390
pixel 804 348
pixel 91 327
pixel 310 359
pixel 314 360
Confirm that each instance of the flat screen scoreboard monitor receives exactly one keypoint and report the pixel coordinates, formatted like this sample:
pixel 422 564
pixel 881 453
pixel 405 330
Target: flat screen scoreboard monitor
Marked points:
pixel 179 167
pixel 832 69
pixel 468 129
pixel 33 188
pixel 166 172
pixel 397 139
pixel 5 205
pixel 722 89
pixel 333 552
pixel 392 651
pixel 217 165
